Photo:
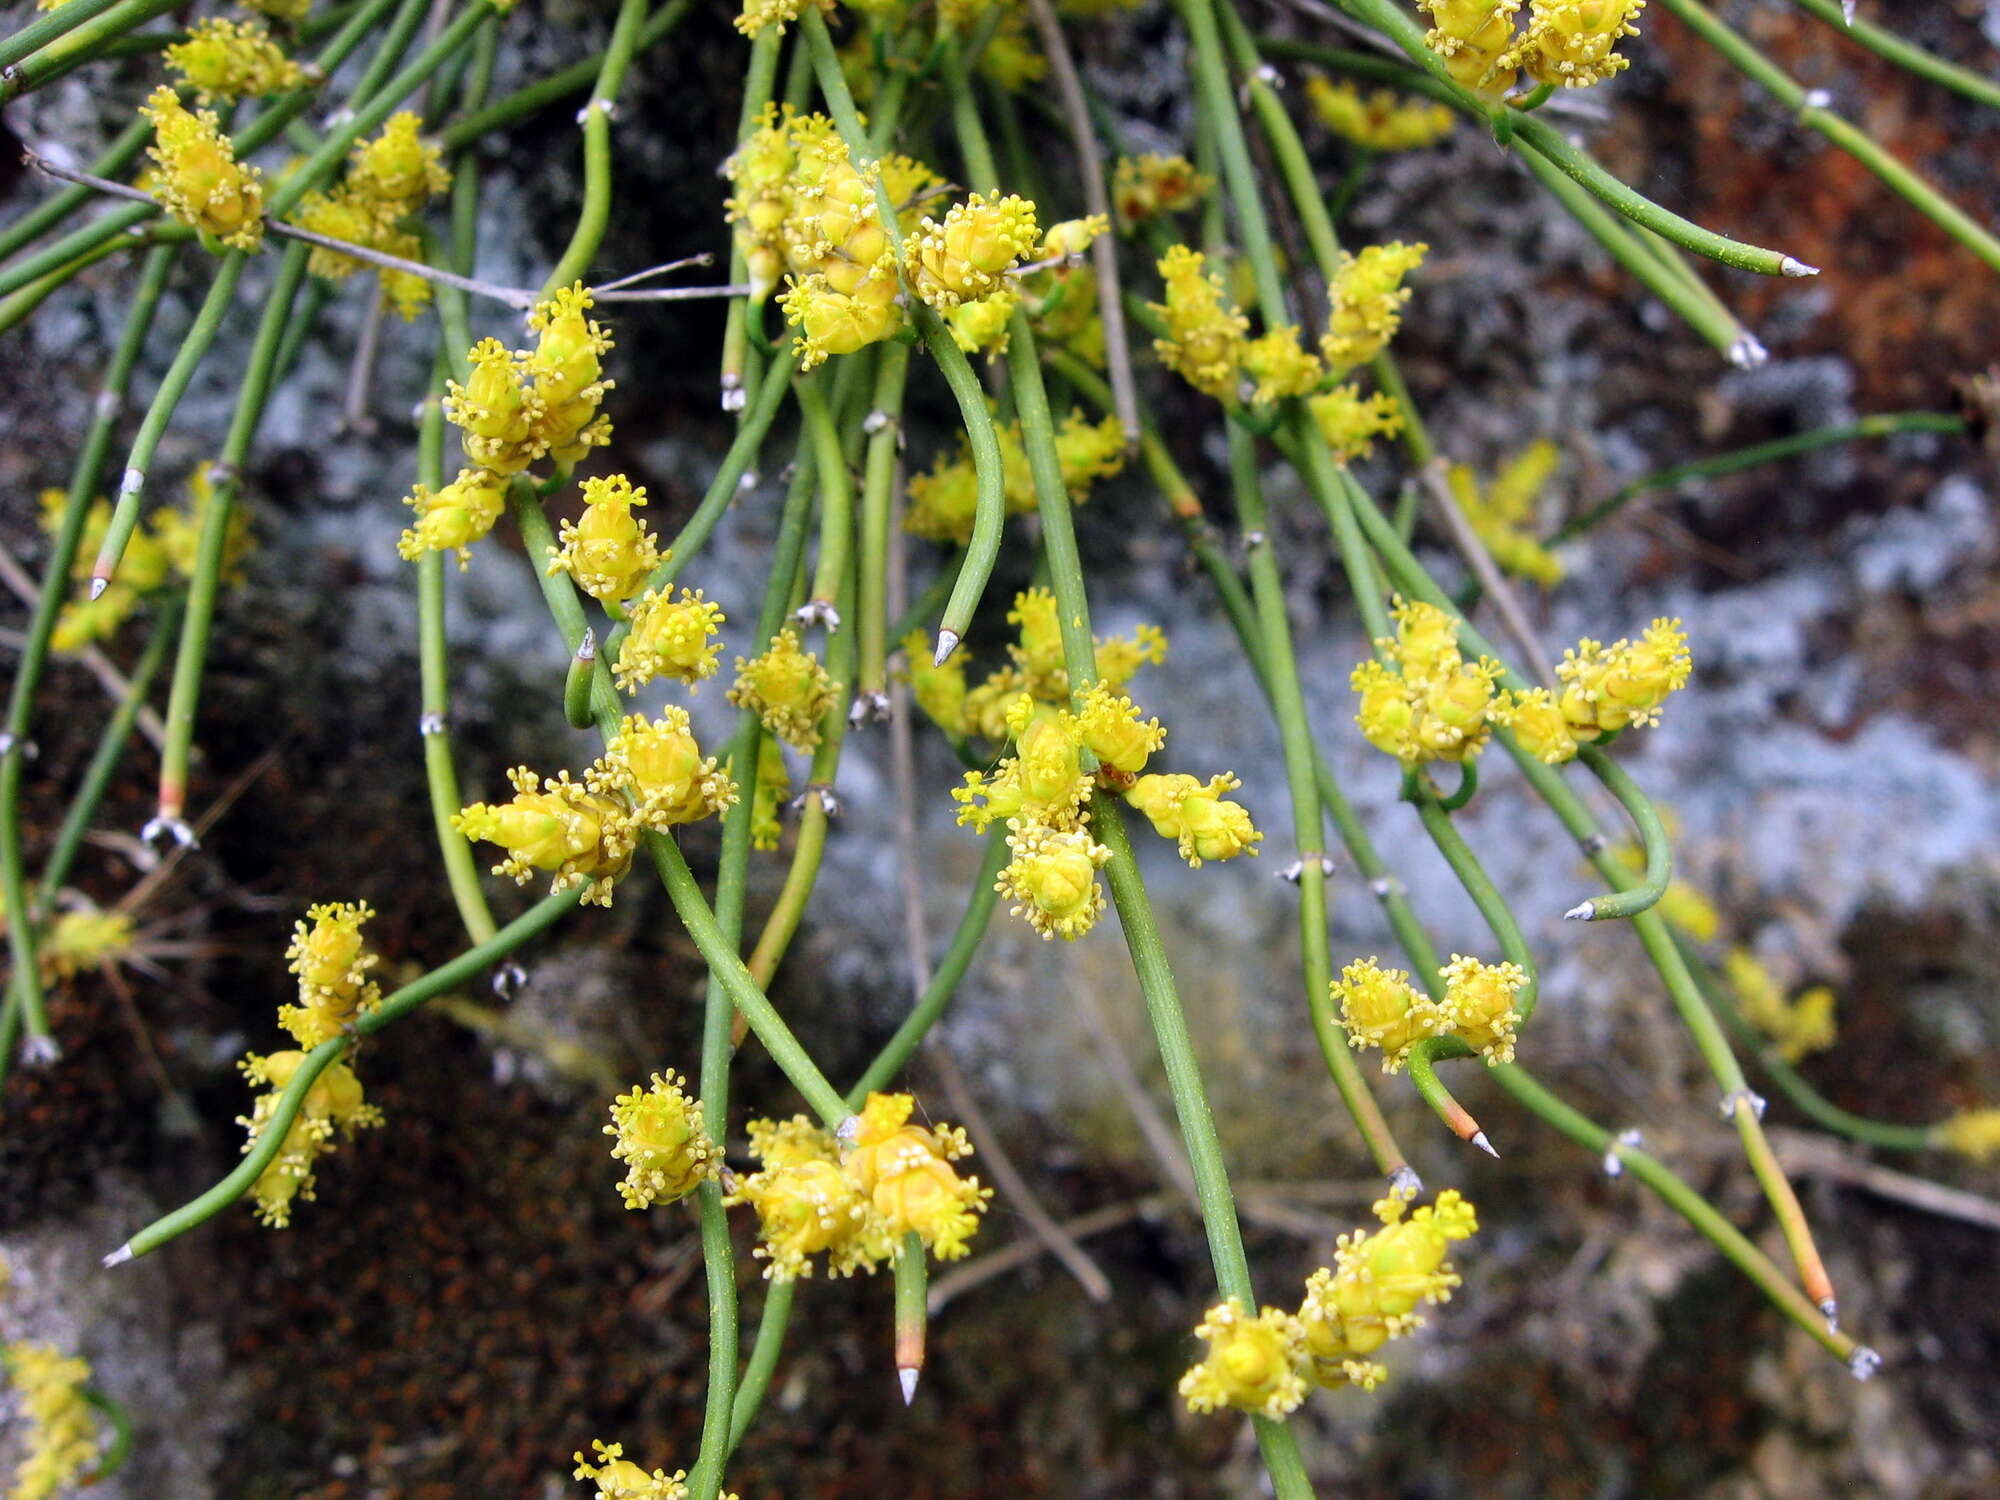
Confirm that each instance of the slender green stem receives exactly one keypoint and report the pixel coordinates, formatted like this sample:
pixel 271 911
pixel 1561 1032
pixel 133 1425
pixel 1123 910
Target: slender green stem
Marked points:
pixel 878 481
pixel 1885 43
pixel 595 214
pixel 741 364
pixel 1882 424
pixel 1212 93
pixel 194 346
pixel 1812 113
pixel 836 495
pixel 41 628
pixel 1128 892
pixel 212 548
pixel 1690 1205
pixel 64 18
pixel 74 45
pixel 511 109
pixel 523 929
pixel 1652 837
pixel 396 39
pixel 1274 635
pixel 1401 27
pixel 912 1312
pixel 1703 314
pixel 763 1361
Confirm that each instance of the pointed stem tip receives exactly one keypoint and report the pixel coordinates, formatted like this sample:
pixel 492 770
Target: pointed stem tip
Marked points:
pixel 947 642
pixel 97 587
pixel 908 1378
pixel 1583 911
pixel 1792 267
pixel 118 1257
pixel 1479 1140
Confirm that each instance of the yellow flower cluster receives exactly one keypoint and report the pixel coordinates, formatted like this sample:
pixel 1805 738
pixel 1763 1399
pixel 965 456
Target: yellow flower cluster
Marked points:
pixel 453 518
pixel 1041 792
pixel 1567 42
pixel 1207 342
pixel 333 1104
pixel 943 500
pixel 82 938
pixel 1265 1364
pixel 757 14
pixel 61 1424
pixel 855 1204
pixel 609 552
pixel 199 180
pixel 1061 299
pixel 788 688
pixel 557 825
pixel 1381 1008
pixel 1798 1025
pixel 1366 303
pixel 1502 514
pixel 670 637
pixel 965 257
pixel 521 405
pixel 652 776
pixel 332 967
pixel 1425 702
pixel 1972 1133
pixel 1146 187
pixel 802 206
pixel 618 1478
pixel 389 177
pixel 662 1141
pixel 1604 689
pixel 232 60
pixel 1382 121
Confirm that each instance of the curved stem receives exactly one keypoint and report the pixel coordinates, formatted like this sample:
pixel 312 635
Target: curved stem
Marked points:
pixel 1652 838
pixel 531 924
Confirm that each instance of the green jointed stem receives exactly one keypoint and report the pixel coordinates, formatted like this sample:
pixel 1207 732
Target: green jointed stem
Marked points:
pixel 1128 892
pixel 763 1361
pixel 41 627
pixel 200 335
pixel 1703 314
pixel 531 924
pixel 1815 116
pixel 913 1313
pixel 213 544
pixel 1218 108
pixel 741 365
pixel 77 45
pixel 836 496
pixel 878 482
pixel 1281 675
pixel 510 109
pixel 1882 424
pixel 596 211
pixel 63 18
pixel 395 42
pixel 1885 43
pixel 1401 27
pixel 1689 1204
pixel 1652 838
